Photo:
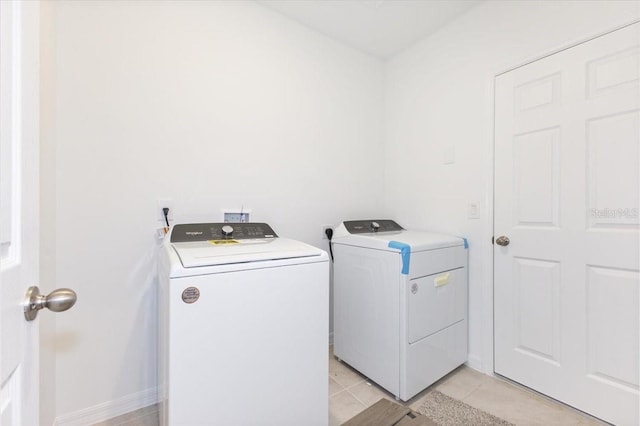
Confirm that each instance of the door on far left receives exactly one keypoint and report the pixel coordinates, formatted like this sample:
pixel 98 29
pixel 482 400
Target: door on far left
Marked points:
pixel 19 53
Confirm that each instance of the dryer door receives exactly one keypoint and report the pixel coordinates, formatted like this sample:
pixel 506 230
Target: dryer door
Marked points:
pixel 435 302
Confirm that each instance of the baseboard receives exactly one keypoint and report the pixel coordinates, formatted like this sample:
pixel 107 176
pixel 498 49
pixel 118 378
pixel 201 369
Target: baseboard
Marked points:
pixel 109 409
pixel 475 362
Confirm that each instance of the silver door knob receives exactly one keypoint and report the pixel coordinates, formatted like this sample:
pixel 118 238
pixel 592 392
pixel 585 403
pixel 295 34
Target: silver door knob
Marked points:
pixel 502 241
pixel 57 301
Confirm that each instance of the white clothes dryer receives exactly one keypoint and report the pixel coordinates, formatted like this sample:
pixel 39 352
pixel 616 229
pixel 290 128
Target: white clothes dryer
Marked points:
pixel 400 303
pixel 243 327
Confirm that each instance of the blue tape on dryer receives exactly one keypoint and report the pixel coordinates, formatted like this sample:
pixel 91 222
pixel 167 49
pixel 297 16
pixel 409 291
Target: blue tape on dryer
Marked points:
pixel 466 243
pixel 405 253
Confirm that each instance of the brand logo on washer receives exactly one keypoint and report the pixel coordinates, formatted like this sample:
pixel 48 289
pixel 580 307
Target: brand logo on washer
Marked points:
pixel 414 288
pixel 190 295
pixel 193 232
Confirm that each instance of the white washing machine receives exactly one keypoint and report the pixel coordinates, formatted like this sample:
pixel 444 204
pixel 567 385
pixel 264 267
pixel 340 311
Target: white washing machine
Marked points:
pixel 243 327
pixel 400 303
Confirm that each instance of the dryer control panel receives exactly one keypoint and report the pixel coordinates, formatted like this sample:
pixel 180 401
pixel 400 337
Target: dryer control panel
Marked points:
pixel 369 226
pixel 220 231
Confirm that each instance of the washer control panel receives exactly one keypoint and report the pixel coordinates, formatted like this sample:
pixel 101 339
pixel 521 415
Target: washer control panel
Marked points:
pixel 220 231
pixel 371 226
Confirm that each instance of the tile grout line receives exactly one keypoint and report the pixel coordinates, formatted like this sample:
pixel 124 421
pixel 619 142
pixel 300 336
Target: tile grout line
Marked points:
pixel 344 387
pixel 362 404
pixel 335 393
pixel 357 399
pixel 463 398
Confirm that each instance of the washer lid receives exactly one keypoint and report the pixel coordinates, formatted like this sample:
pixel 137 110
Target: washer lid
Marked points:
pixel 211 253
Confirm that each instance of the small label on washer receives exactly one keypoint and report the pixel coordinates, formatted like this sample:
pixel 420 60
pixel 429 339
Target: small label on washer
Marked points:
pixel 223 241
pixel 190 295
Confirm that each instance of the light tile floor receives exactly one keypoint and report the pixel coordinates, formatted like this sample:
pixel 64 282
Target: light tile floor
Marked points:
pixel 350 393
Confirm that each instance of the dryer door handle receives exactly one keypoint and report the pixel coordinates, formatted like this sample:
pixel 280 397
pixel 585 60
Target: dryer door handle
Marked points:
pixel 441 280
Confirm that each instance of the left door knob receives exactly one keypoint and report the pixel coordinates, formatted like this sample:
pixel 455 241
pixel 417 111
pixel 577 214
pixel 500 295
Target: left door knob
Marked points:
pixel 57 301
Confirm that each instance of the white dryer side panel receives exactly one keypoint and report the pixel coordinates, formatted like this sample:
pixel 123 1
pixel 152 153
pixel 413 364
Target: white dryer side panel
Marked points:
pixel 366 312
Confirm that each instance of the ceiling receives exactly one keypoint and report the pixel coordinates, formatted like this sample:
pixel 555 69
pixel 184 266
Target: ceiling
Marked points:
pixel 381 28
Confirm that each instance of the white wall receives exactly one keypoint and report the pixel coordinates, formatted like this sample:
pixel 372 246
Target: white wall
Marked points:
pixel 209 104
pixel 439 94
pixel 223 104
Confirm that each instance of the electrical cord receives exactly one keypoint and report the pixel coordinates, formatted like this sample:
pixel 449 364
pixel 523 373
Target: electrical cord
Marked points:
pixel 329 233
pixel 165 210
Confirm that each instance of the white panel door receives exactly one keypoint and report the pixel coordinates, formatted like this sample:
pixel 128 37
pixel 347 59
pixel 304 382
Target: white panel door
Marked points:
pixel 566 287
pixel 18 210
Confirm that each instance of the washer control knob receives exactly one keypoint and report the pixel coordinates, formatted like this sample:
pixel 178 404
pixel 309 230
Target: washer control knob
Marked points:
pixel 375 226
pixel 227 230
